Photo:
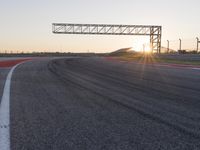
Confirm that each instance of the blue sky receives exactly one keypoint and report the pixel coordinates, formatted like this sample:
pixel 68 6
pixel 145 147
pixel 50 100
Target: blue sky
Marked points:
pixel 26 24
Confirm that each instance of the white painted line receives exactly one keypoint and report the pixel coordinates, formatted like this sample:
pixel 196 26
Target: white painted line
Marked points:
pixel 5 113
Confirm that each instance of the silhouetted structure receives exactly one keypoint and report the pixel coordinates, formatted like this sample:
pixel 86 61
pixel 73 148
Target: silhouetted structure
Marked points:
pixel 154 32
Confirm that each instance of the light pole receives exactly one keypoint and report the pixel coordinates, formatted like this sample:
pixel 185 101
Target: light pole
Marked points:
pixel 180 44
pixel 197 44
pixel 143 48
pixel 167 46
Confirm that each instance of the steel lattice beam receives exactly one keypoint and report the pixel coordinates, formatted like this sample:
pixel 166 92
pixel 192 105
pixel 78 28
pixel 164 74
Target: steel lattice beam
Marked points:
pixel 106 29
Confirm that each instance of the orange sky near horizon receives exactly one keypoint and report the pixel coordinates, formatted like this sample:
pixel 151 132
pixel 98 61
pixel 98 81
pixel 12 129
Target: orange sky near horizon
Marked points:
pixel 26 25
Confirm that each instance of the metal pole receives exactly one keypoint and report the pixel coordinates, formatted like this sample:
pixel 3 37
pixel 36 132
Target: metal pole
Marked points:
pixel 160 40
pixel 197 44
pixel 143 48
pixel 180 44
pixel 151 39
pixel 167 46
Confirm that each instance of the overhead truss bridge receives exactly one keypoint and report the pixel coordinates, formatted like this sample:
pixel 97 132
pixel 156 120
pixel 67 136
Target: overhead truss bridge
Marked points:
pixel 154 32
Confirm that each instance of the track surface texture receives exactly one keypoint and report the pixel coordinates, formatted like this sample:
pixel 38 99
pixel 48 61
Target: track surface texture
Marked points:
pixel 96 104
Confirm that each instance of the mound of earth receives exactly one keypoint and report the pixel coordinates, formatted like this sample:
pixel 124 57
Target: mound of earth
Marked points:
pixel 123 51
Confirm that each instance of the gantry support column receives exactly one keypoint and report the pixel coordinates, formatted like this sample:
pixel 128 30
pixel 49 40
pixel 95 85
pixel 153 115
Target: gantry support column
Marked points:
pixel 155 39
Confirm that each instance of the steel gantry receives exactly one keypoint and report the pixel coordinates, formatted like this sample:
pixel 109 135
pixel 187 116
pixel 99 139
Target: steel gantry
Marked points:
pixel 154 32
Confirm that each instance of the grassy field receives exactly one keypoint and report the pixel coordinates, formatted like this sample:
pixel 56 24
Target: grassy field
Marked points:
pixel 148 58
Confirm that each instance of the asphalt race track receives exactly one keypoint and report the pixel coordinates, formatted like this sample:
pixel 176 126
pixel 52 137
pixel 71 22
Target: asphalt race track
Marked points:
pixel 100 104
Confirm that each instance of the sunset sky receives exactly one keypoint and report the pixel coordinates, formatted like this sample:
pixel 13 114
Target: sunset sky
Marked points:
pixel 25 25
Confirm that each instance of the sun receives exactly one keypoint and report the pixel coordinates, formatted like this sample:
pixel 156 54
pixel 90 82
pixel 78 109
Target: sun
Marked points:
pixel 141 45
pixel 147 48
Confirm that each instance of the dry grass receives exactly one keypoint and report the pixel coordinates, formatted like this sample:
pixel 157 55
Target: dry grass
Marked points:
pixel 147 58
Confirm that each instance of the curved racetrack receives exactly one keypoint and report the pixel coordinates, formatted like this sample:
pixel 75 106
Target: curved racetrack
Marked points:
pixel 96 104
